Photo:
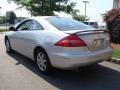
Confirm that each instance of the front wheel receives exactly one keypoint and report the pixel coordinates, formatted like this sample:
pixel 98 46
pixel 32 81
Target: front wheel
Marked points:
pixel 8 47
pixel 43 62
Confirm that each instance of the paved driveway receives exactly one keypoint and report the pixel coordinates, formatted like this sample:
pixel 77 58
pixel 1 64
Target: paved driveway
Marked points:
pixel 20 73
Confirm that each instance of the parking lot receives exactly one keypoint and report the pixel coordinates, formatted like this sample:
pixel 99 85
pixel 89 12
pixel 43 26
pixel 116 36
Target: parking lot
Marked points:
pixel 19 73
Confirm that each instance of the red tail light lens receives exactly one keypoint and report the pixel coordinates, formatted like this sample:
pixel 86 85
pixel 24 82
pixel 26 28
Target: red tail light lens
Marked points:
pixel 71 41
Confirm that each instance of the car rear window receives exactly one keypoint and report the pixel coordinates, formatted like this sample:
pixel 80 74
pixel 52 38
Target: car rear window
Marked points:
pixel 65 24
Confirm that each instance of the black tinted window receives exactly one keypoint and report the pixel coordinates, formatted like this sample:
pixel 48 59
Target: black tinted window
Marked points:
pixel 25 26
pixel 65 24
pixel 30 25
pixel 36 26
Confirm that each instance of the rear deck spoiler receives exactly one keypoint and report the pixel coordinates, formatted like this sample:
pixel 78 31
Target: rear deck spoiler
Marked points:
pixel 91 31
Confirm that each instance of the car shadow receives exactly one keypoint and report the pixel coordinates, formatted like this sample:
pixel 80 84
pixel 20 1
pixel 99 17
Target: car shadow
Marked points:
pixel 96 77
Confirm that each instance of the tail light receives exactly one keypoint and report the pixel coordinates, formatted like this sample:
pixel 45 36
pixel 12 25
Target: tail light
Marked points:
pixel 71 41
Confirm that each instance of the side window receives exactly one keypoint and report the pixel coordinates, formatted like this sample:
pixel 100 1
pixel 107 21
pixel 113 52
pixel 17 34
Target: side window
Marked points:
pixel 25 26
pixel 36 26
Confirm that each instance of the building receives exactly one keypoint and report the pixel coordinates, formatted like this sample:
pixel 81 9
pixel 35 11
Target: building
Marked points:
pixel 116 4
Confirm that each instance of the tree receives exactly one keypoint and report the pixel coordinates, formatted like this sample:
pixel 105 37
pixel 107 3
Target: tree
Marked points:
pixel 112 18
pixel 76 15
pixel 45 7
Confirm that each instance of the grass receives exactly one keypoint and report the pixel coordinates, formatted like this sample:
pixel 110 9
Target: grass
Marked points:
pixel 3 30
pixel 116 53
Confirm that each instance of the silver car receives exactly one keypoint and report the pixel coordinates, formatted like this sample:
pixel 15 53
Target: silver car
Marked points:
pixel 58 42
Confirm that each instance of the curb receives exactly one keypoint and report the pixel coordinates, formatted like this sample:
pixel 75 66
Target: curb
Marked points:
pixel 114 60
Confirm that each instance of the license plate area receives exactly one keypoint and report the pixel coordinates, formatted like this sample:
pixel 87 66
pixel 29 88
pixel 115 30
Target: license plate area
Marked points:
pixel 97 44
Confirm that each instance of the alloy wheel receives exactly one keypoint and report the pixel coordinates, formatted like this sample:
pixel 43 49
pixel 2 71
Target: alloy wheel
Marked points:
pixel 41 61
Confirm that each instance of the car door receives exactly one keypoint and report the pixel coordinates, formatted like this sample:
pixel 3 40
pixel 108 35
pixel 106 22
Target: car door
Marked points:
pixel 18 36
pixel 27 36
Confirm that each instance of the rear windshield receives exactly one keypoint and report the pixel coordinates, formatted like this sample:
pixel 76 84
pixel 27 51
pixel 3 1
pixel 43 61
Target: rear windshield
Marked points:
pixel 65 24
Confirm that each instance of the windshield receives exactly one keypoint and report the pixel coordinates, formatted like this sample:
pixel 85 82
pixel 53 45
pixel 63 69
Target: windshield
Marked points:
pixel 65 24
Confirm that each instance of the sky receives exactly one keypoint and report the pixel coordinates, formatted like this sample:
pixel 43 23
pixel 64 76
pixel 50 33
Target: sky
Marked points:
pixel 95 8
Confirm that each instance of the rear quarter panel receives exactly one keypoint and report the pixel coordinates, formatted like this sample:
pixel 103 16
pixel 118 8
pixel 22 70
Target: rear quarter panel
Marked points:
pixel 45 39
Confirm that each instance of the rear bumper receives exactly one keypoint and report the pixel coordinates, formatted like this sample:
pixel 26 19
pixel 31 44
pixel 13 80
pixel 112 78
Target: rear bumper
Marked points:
pixel 69 61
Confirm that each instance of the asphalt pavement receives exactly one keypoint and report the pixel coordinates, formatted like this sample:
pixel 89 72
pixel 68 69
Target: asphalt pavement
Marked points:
pixel 20 73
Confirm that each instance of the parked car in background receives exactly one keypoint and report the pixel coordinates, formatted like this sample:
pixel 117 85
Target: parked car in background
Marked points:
pixel 58 42
pixel 92 24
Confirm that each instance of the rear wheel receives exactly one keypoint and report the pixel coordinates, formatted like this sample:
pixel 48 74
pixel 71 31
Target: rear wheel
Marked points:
pixel 42 61
pixel 8 47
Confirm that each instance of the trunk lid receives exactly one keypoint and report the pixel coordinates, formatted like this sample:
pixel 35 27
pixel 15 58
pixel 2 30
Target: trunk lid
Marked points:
pixel 94 39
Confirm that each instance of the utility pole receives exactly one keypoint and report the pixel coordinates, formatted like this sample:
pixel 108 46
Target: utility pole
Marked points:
pixel 85 6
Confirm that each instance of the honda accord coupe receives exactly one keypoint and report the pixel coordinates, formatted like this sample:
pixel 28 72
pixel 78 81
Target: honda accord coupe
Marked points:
pixel 58 42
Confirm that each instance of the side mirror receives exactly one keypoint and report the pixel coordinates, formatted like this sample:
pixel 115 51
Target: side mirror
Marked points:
pixel 12 28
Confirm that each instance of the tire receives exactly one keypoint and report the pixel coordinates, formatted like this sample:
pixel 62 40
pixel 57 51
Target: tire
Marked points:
pixel 8 46
pixel 43 62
